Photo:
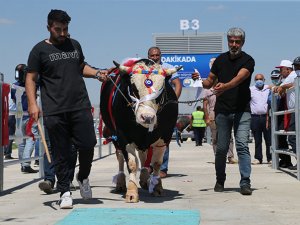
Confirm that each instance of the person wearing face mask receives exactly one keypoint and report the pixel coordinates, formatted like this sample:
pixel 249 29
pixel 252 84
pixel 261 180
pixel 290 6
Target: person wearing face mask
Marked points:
pixel 259 109
pixel 276 78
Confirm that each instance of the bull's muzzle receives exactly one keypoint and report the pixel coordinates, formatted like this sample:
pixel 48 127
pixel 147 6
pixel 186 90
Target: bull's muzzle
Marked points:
pixel 148 119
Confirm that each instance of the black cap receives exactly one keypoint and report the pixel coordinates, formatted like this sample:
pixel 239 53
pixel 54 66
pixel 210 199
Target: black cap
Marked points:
pixel 296 61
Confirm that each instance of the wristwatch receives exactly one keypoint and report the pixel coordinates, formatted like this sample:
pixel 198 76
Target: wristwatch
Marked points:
pixel 97 75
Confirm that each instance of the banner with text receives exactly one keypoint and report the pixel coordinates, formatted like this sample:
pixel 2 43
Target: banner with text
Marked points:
pixel 190 62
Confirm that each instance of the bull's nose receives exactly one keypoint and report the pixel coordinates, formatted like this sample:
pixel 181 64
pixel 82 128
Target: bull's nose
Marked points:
pixel 148 119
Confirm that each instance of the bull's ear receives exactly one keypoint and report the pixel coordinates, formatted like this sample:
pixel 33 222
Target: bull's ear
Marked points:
pixel 170 71
pixel 124 69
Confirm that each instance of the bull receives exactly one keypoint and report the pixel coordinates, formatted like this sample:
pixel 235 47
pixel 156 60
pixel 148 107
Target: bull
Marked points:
pixel 140 108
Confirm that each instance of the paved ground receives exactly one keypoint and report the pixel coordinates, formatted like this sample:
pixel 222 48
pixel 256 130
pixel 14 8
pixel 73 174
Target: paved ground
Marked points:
pixel 275 200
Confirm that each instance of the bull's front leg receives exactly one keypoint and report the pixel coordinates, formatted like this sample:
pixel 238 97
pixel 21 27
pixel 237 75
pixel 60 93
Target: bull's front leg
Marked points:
pixel 144 174
pixel 120 178
pixel 155 185
pixel 132 194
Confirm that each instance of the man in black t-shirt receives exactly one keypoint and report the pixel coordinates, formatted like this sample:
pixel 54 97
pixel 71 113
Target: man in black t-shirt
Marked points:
pixel 233 69
pixel 59 61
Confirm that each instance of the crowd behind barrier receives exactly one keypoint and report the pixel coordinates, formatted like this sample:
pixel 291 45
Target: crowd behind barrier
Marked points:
pixel 293 103
pixel 19 136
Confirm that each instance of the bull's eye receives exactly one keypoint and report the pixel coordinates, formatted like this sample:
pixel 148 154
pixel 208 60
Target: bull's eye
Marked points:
pixel 148 83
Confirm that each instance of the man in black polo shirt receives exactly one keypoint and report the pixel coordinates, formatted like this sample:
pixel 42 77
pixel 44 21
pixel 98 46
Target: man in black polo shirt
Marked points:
pixel 233 69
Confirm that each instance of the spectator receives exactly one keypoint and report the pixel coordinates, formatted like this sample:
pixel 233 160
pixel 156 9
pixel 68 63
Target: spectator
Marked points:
pixel 286 84
pixel 286 69
pixel 154 53
pixel 209 106
pixel 11 123
pixel 26 147
pixel 198 125
pixel 259 114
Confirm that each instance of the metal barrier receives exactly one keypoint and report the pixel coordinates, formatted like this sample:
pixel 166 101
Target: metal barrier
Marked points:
pixel 293 100
pixel 41 147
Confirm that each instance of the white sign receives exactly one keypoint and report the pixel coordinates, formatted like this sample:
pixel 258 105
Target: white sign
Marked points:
pixel 189 24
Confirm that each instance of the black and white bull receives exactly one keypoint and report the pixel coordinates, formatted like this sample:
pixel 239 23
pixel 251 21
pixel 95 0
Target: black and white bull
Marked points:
pixel 140 109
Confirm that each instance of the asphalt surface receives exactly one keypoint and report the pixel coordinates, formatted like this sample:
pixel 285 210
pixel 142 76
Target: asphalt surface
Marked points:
pixel 189 186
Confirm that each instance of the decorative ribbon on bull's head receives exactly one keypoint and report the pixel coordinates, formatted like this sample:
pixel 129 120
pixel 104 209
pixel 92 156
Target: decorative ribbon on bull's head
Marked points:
pixel 147 80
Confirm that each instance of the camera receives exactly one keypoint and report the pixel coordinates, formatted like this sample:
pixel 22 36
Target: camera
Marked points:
pixel 20 73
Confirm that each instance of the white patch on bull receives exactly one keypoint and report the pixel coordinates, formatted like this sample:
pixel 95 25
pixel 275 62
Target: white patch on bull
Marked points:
pixel 115 177
pixel 153 182
pixel 146 107
pixel 151 127
pixel 132 162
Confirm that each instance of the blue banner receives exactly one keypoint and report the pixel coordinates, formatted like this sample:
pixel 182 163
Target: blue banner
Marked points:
pixel 190 62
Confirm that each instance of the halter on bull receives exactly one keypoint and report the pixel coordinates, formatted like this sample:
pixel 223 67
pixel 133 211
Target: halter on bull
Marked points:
pixel 140 108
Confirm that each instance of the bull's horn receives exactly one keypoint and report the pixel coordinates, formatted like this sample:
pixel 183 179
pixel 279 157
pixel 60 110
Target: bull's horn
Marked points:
pixel 122 68
pixel 116 64
pixel 173 70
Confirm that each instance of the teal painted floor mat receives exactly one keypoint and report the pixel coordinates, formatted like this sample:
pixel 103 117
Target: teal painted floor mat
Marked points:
pixel 121 216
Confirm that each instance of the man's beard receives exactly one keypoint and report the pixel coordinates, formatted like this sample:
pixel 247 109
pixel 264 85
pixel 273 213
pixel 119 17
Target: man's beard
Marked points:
pixel 59 40
pixel 235 52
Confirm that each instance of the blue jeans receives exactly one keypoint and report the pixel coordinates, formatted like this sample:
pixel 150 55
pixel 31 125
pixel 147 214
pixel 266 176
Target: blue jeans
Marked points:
pixel 25 149
pixel 241 125
pixel 165 163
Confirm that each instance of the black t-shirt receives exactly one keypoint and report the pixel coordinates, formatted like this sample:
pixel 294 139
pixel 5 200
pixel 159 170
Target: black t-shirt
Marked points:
pixel 238 98
pixel 61 81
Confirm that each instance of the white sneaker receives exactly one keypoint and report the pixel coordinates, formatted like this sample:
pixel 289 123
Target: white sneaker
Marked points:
pixel 66 201
pixel 85 189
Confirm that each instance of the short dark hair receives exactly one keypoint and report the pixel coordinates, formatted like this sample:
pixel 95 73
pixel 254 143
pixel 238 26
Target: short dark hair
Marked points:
pixel 56 15
pixel 152 48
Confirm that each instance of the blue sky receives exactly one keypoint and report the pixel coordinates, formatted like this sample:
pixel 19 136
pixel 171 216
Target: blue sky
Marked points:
pixel 113 30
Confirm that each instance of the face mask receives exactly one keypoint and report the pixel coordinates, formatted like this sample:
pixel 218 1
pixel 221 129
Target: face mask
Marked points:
pixel 276 82
pixel 259 83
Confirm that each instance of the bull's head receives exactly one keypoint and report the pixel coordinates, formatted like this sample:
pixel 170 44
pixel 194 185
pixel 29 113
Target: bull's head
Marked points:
pixel 147 83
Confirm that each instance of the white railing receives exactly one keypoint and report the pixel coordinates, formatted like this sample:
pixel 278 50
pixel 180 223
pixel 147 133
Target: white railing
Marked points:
pixel 293 103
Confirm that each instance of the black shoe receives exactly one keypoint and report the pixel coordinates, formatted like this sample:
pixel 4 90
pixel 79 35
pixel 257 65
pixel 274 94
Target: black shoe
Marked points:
pixel 46 186
pixel 36 163
pixel 8 157
pixel 293 167
pixel 219 187
pixel 246 190
pixel 28 169
pixel 286 165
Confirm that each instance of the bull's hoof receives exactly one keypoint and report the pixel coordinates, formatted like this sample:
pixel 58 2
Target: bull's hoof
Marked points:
pixel 158 190
pixel 144 178
pixel 132 195
pixel 121 183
